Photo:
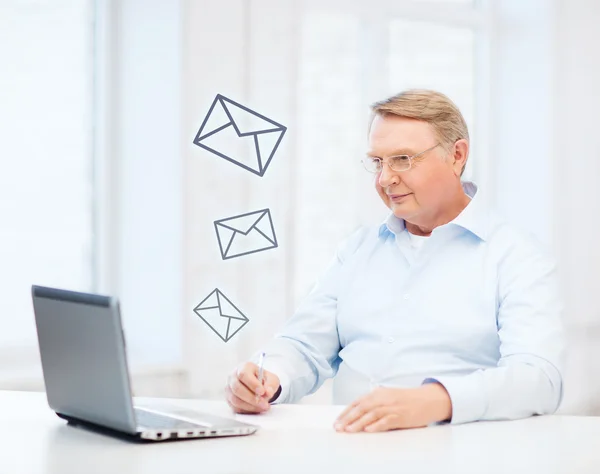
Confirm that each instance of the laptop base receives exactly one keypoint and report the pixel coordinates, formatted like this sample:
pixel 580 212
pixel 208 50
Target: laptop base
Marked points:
pixel 149 436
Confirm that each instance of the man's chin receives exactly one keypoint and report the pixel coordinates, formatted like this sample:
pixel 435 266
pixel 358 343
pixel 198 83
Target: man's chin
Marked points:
pixel 402 211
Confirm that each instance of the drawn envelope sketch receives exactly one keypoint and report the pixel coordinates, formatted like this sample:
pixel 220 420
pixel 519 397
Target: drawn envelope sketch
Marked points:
pixel 245 234
pixel 221 315
pixel 240 135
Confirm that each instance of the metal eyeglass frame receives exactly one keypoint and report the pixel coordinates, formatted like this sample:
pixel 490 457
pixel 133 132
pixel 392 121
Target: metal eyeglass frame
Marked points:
pixel 410 160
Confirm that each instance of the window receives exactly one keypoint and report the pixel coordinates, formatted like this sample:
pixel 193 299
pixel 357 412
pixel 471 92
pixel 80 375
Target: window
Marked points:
pixel 46 184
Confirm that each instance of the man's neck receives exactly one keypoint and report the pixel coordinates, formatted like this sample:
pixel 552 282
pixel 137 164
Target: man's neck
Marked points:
pixel 426 224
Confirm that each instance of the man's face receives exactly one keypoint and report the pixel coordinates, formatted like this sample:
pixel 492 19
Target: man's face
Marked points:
pixel 420 191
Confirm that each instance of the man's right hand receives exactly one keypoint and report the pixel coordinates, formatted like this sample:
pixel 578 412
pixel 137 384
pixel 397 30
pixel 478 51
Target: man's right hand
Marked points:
pixel 245 394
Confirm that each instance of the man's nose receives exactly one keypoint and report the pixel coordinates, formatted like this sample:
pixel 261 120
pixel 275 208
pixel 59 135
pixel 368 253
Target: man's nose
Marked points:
pixel 387 176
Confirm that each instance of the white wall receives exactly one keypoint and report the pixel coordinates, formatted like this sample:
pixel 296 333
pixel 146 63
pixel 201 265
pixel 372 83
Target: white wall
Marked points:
pixel 522 78
pixel 546 159
pixel 577 194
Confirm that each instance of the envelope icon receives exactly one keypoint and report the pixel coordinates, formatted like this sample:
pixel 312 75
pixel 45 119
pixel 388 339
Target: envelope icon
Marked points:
pixel 245 234
pixel 221 315
pixel 240 135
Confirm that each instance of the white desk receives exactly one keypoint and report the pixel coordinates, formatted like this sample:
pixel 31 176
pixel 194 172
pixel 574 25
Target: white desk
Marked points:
pixel 297 438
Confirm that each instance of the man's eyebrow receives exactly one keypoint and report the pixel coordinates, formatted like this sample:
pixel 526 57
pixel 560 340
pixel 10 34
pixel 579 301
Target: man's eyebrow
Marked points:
pixel 399 151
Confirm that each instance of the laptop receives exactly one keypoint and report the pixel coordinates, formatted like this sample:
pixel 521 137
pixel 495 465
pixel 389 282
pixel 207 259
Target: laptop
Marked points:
pixel 84 363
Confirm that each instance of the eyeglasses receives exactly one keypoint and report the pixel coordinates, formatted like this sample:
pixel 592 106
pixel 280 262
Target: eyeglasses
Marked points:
pixel 396 163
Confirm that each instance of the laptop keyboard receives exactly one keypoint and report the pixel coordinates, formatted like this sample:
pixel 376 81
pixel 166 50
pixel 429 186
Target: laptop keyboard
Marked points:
pixel 148 419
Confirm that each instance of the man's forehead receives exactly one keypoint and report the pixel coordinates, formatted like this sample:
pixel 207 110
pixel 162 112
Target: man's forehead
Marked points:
pixel 392 135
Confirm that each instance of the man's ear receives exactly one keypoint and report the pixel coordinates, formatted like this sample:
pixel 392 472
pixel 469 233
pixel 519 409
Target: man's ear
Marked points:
pixel 460 153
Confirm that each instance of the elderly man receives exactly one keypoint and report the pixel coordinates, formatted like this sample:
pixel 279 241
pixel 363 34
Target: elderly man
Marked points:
pixel 444 313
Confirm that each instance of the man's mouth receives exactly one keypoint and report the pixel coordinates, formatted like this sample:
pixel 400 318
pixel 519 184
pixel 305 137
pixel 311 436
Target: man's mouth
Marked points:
pixel 398 197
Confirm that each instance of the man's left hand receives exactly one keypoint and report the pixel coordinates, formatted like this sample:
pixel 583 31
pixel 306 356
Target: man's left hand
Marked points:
pixel 392 408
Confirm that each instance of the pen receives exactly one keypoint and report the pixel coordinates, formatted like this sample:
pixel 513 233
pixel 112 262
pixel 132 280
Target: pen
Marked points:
pixel 261 362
